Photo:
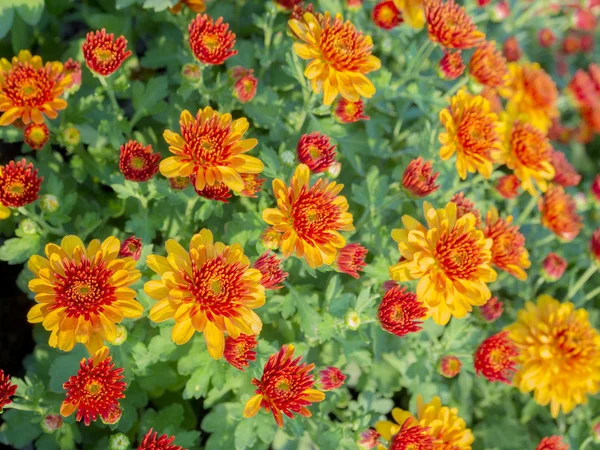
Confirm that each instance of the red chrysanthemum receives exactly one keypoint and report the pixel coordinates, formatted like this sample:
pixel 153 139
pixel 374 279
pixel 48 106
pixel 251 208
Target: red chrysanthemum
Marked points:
pixel 103 53
pixel 559 213
pixel 240 351
pixel 508 245
pixel 595 245
pixel 354 4
pixel 508 186
pixel 496 358
pixel 315 150
pixel 132 247
pixel 451 65
pixel 546 37
pixel 553 267
pixel 211 42
pixel 178 183
pixel 152 442
pixel 300 9
pixel 113 416
pixel 347 111
pixel 351 259
pixel 331 378
pixel 570 44
pixel 288 4
pixel 369 438
pixel 7 389
pixel 19 184
pixel 450 25
pixel 596 187
pixel 492 310
pixel 138 163
pixel 565 173
pixel 386 15
pixel 412 437
pixel 245 88
pixel 584 87
pixel 399 312
pixel 72 68
pixel 450 366
pixel 95 390
pixel 219 191
pixel 286 386
pixel 252 184
pixel 270 268
pixel 552 443
pixel 488 66
pixel 36 135
pixel 419 178
pixel 466 206
pixel 511 49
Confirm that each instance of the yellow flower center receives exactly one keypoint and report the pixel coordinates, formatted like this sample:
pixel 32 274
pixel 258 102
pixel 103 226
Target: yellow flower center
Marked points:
pixel 137 162
pixel 16 188
pixel 216 286
pixel 93 388
pixel 314 152
pixel 211 41
pixel 103 55
pixel 37 135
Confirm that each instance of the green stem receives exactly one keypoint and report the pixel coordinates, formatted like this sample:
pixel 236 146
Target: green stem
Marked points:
pixel 525 214
pixel 419 60
pixel 460 83
pixel 538 284
pixel 46 227
pixel 22 407
pixel 545 241
pixel 582 279
pixel 590 295
pixel 110 93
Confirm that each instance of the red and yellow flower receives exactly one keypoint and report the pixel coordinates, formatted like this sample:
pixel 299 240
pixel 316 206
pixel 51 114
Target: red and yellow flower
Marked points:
pixel 138 163
pixel 492 310
pixel 315 150
pixel 496 358
pixel 219 191
pixel 7 389
pixel 331 378
pixel 211 41
pixel 347 111
pixel 245 87
pixel 197 6
pixel 451 65
pixel 450 366
pixel 399 312
pixel 19 186
pixel 508 186
pixel 466 206
pixel 419 178
pixel 351 260
pixel 270 270
pixel 412 12
pixel 595 245
pixel 564 173
pixel 239 351
pixel 488 65
pixel 252 185
pixel 511 49
pixel 131 247
pixel 559 213
pixel 552 443
pixel 449 25
pixel 386 15
pixel 553 267
pixel 152 441
pixel 103 53
pixel 36 135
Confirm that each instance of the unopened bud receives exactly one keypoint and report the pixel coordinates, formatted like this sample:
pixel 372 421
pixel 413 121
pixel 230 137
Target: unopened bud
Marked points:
pixel 353 320
pixel 51 423
pixel 49 203
pixel 71 136
pixel 121 335
pixel 191 72
pixel 118 442
pixel 288 158
pixel 29 227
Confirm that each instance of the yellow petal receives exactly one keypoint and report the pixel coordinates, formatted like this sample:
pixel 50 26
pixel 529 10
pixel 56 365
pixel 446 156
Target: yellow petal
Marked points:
pixel 252 406
pixel 215 341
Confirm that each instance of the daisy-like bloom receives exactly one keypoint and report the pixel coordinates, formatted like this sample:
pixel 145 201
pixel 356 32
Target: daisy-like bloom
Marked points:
pixel 315 150
pixel 595 245
pixel 95 390
pixel 219 191
pixel 559 213
pixel 546 37
pixel 419 178
pixel 240 351
pixel 340 57
pixel 565 174
pixel 82 292
pixel 138 163
pixel 271 238
pixel 473 132
pixel 152 441
pixel 72 68
pixel 211 289
pixel 19 186
pixel 399 312
pixel 131 247
pixel 450 366
pixel 559 354
pixel 508 186
pixel 347 111
pixel 197 6
pixel 7 389
pixel 211 148
pixel 451 65
pixel 508 249
pixel 351 260
pixel 178 183
pixel 270 268
pixel 496 358
pixel 245 87
pixel 443 426
pixel 286 386
pixel 309 218
pixel 511 49
pixel 553 267
pixel 36 135
pixel 449 257
pixel 449 25
pixel 552 443
pixel 211 41
pixel 386 15
pixel 252 185
pixel 369 438
pixel 103 53
pixel 492 310
pixel 331 378
pixel 488 66
pixel 30 89
pixel 466 206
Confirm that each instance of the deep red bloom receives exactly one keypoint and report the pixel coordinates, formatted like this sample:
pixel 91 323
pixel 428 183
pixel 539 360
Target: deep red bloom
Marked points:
pixel 553 267
pixel 219 191
pixel 595 245
pixel 450 366
pixel 565 173
pixel 245 88
pixel 36 135
pixel 399 311
pixel 508 186
pixel 386 15
pixel 369 438
pixel 465 206
pixel 351 259
pixel 552 443
pixel 412 437
pixel 419 178
pixel 7 389
pixel 348 112
pixel 331 378
pixel 270 268
pixel 211 42
pixel 483 2
pixel 138 163
pixel 570 44
pixel 451 65
pixel 288 4
pixel 511 49
pixel 315 150
pixel 546 37
pixel 596 187
pixel 179 183
pixel 252 184
pixel 240 351
pixel 492 310
pixel 450 25
pixel 131 247
pixel 19 184
pixel 152 442
pixel 103 53
pixel 495 358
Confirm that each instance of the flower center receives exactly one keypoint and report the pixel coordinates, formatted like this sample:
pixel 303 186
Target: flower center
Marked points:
pixel 211 41
pixel 104 55
pixel 350 109
pixel 283 385
pixel 93 388
pixel 137 162
pixel 37 135
pixel 397 314
pixel 28 89
pixel 387 14
pixel 314 152
pixel 314 214
pixel 216 286
pixel 16 188
pixel 458 255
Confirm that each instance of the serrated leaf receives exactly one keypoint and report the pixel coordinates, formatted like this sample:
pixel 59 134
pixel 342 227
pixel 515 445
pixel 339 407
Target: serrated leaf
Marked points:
pixel 245 436
pixel 18 250
pixel 31 11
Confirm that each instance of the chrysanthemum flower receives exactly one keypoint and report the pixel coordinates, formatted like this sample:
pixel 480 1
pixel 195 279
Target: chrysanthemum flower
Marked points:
pixel 271 238
pixel 488 65
pixel 496 358
pixel 546 37
pixel 211 41
pixel 347 111
pixel 7 389
pixel 419 178
pixel 211 289
pixel 151 441
pixel 508 186
pixel 211 148
pixel 309 218
pixel 449 25
pixel 491 95
pixel 95 390
pixel 300 9
pixel 340 57
pixel 492 310
pixel 552 443
pixel 553 267
pixel 331 378
pixel 570 44
pixel 466 206
pixel 197 6
pixel 30 89
pixel 36 135
pixel 386 15
pixel 411 437
pixel 450 366
pixel 219 191
pixel 245 87
pixel 103 53
pixel 72 68
pixel 399 312
pixel 131 247
pixel 82 292
pixel 511 49
pixel 451 65
pixel 473 132
pixel 270 269
pixel 315 150
pixel 564 173
pixel 451 259
pixel 19 186
pixel 286 386
pixel 287 4
pixel 112 416
pixel 412 12
pixel 369 439
pixel 559 213
pixel 252 185
pixel 559 354
pixel 584 87
pixel 178 183
pixel 138 163
pixel 351 259
pixel 240 351
pixel 595 245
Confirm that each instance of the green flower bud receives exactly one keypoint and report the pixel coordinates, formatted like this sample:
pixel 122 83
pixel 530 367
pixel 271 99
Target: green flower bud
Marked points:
pixel 49 203
pixel 118 442
pixel 28 227
pixel 353 320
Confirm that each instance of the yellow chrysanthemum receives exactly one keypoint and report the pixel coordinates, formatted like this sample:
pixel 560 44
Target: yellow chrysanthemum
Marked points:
pixel 340 56
pixel 412 11
pixel 211 289
pixel 83 292
pixel 450 257
pixel 559 354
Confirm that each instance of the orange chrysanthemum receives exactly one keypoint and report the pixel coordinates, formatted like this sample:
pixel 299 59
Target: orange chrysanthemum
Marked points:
pixel 82 292
pixel 508 186
pixel 351 259
pixel 331 378
pixel 286 386
pixel 473 132
pixel 271 271
pixel 496 358
pixel 138 163
pixel 309 218
pixel 449 25
pixel 19 186
pixel 211 42
pixel 7 389
pixel 553 267
pixel 240 351
pixel 95 390
pixel 152 441
pixel 252 185
pixel 466 206
pixel 511 49
pixel 559 354
pixel 30 89
pixel 36 135
pixel 211 148
pixel 450 366
pixel 564 173
pixel 197 6
pixel 451 65
pixel 210 289
pixel 347 111
pixel 399 312
pixel 419 178
pixel 492 310
pixel 559 213
pixel 488 65
pixel 103 53
pixel 315 150
pixel 552 443
pixel 340 57
pixel 386 15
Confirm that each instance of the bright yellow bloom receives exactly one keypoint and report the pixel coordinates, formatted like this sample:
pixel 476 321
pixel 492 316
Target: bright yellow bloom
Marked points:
pixel 559 354
pixel 83 292
pixel 450 257
pixel 413 12
pixel 211 289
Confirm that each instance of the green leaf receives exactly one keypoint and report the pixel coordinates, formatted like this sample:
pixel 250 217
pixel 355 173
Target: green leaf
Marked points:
pixel 146 99
pixel 125 3
pixel 158 5
pixel 31 11
pixel 65 366
pixel 7 15
pixel 245 436
pixel 18 250
pixel 19 428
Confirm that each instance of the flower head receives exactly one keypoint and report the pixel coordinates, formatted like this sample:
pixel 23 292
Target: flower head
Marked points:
pixel 351 259
pixel 347 111
pixel 559 213
pixel 553 267
pixel 511 49
pixel 492 310
pixel 7 389
pixel 450 366
pixel 496 358
pixel 412 11
pixel 131 247
pixel 271 271
pixel 564 173
pixel 286 386
pixel 245 83
pixel 411 437
pixel 252 185
pixel 488 66
pixel 240 351
pixel 385 15
pixel 340 57
pixel 95 390
pixel 36 135
pixel 300 9
pixel 508 186
pixel 331 378
pixel 151 441
pixel 451 65
pixel 559 354
pixel 466 206
pixel 138 163
pixel 595 245
pixel 103 53
pixel 51 423
pixel 210 289
pixel 449 25
pixel 570 44
pixel 196 6
pixel 73 69
pixel 546 37
pixel 211 148
pixel 400 313
pixel 419 178
pixel 315 150
pixel 552 443
pixel 219 191
pixel 19 186
pixel 369 438
pixel 211 41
